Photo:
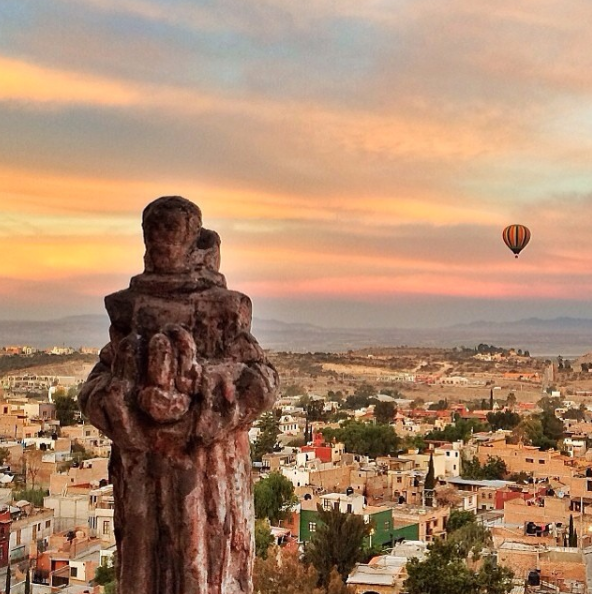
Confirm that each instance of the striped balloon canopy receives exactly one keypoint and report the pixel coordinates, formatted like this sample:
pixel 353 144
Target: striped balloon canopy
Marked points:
pixel 516 237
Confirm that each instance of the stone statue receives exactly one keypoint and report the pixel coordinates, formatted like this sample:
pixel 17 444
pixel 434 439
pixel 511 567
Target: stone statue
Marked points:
pixel 176 390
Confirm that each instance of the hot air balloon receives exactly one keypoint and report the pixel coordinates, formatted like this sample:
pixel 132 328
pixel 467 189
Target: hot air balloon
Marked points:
pixel 516 237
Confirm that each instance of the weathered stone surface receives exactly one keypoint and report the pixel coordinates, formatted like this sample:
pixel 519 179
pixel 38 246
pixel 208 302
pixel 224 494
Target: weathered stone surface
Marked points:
pixel 176 389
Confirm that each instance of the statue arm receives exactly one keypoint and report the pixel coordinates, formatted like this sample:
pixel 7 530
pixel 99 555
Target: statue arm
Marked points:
pixel 105 397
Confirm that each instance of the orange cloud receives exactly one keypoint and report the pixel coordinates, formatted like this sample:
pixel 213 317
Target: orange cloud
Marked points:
pixel 40 258
pixel 22 81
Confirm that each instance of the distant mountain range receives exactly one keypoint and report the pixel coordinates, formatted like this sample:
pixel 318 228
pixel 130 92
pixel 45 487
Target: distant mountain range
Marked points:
pixel 559 336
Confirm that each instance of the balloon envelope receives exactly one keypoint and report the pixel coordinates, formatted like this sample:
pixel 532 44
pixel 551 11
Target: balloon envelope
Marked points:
pixel 516 237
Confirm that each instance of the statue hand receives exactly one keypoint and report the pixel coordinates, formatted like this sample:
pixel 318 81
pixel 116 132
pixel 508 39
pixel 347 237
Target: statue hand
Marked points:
pixel 173 375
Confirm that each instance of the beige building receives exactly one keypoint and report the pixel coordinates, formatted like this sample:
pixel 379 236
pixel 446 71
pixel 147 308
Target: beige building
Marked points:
pixel 431 520
pixel 101 510
pixel 70 510
pixel 561 567
pixel 528 459
pixel 32 525
pixel 386 574
pixel 90 472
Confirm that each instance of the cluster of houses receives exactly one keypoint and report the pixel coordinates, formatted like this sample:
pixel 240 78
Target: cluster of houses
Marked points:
pixel 529 517
pixel 63 537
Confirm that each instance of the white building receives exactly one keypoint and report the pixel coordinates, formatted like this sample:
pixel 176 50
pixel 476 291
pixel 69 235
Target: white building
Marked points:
pixel 100 515
pixel 288 425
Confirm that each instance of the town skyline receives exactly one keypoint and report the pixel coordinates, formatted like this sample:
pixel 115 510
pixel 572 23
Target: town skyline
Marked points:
pixel 359 161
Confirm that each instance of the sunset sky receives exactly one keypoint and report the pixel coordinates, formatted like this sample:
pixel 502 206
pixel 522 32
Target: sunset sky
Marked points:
pixel 359 158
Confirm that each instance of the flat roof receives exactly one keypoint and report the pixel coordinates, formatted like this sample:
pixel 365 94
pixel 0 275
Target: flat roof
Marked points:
pixel 494 484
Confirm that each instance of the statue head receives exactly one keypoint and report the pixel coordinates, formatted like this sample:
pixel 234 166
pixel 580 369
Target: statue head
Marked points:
pixel 171 226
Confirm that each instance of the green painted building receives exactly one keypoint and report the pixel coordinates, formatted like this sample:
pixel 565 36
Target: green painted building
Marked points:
pixel 384 531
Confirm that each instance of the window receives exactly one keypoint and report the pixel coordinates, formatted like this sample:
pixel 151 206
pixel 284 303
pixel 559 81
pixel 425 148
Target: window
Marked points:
pixel 312 526
pixel 48 523
pixel 530 460
pixel 73 572
pixel 350 508
pixel 387 525
pixel 399 479
pixel 326 504
pixel 18 537
pixel 106 527
pixel 541 461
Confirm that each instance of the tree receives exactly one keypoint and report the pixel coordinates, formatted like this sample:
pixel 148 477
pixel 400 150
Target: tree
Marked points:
pixel 104 574
pixel 444 571
pixel 356 401
pixel 293 390
pixel 462 429
pixel 34 496
pixel 336 585
pixel 548 403
pixel 337 542
pixel 470 538
pixel 447 496
pixel 572 537
pixel 459 518
pixel 414 442
pixel 441 572
pixel 384 412
pixel 364 438
pixel 493 579
pixel 417 403
pixel 315 410
pixel 440 405
pixel 471 468
pixel 430 482
pixel 66 408
pixel 282 572
pixel 335 396
pixel 503 419
pixel 263 538
pixel 493 469
pixel 273 496
pixel 552 427
pixel 365 390
pixel 33 463
pixel 577 414
pixel 267 438
pixel 511 400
